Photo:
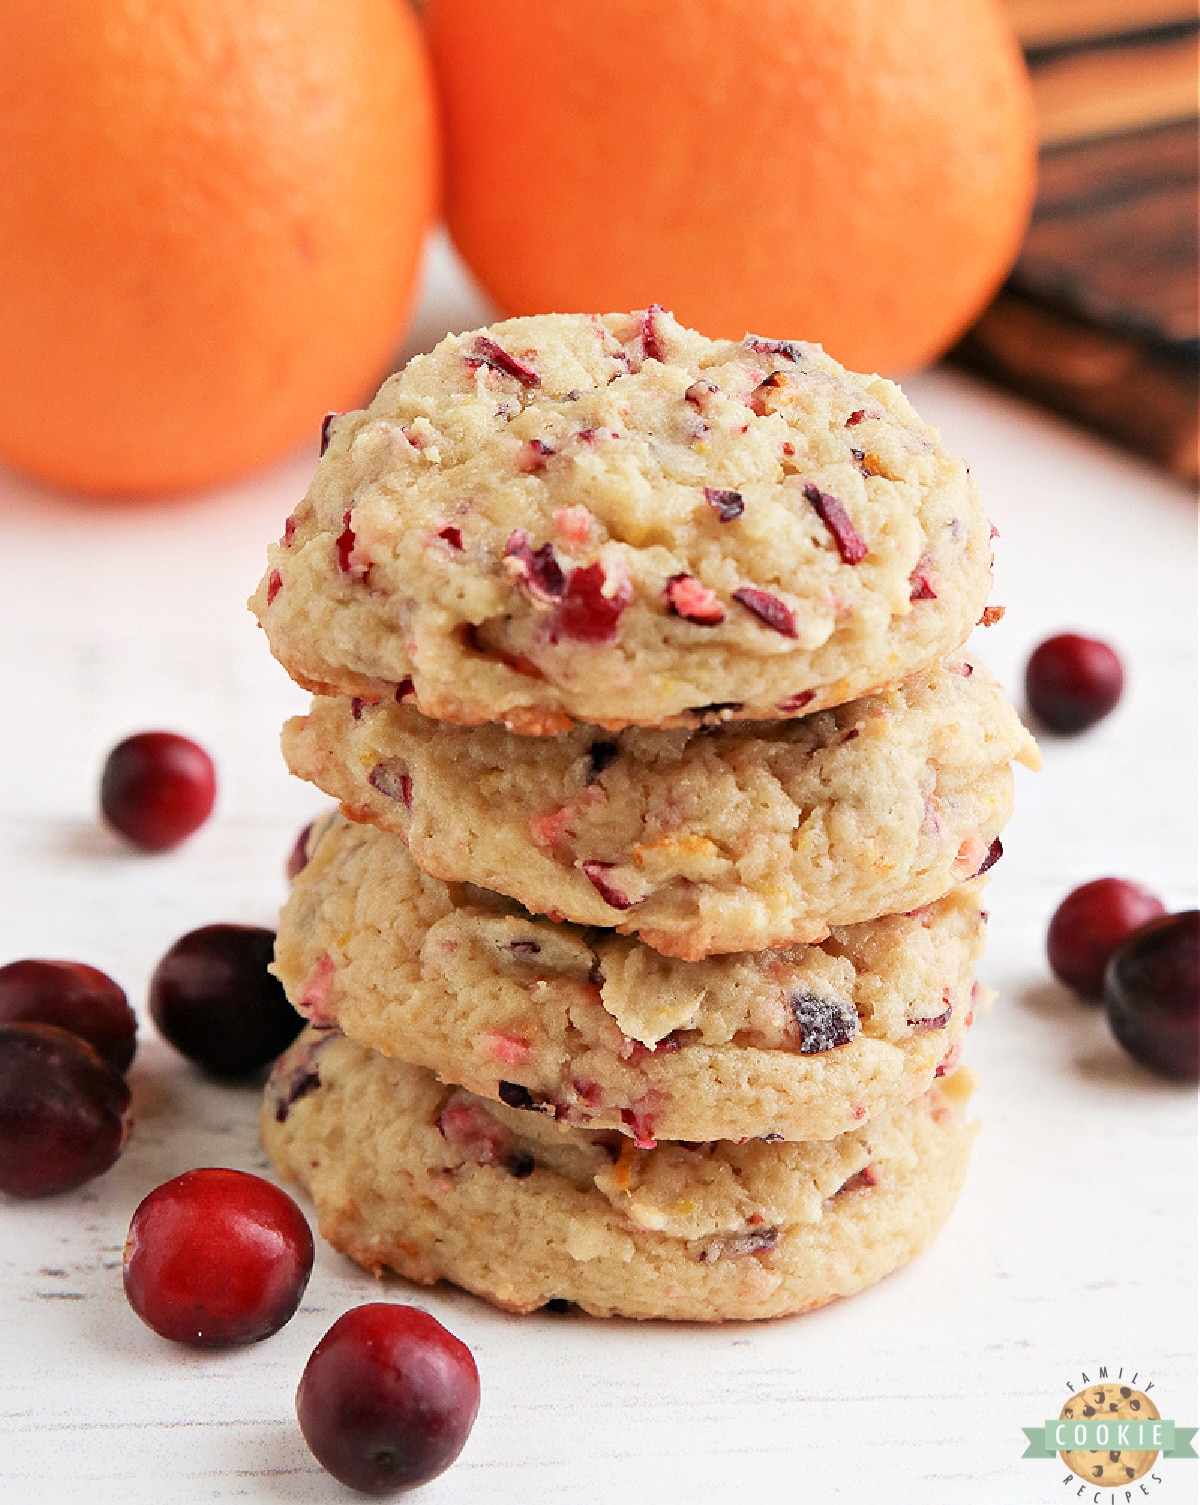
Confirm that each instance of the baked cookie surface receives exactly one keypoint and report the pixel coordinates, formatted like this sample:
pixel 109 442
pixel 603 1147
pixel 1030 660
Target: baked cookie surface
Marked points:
pixel 615 520
pixel 596 1029
pixel 435 1183
pixel 734 838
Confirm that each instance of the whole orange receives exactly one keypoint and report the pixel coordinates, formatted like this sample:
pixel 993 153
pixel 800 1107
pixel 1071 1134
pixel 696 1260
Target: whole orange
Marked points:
pixel 857 172
pixel 211 218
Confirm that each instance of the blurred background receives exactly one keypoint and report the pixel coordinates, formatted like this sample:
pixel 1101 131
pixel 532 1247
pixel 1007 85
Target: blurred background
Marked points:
pixel 1098 317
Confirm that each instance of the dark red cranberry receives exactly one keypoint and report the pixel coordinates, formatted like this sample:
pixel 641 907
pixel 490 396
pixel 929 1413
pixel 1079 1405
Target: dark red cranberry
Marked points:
pixel 590 609
pixel 217 1257
pixel 1152 995
pixel 298 856
pixel 1089 925
pixel 74 997
pixel 157 788
pixel 1072 682
pixel 388 1398
pixel 64 1113
pixel 213 999
pixel 850 545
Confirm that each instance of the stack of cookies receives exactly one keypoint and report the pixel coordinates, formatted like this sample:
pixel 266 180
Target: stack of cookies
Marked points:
pixel 640 956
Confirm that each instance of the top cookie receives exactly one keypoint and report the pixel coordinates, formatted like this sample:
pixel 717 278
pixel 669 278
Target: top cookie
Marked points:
pixel 618 521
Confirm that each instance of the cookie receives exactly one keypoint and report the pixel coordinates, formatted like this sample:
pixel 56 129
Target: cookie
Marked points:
pixel 596 1029
pixel 735 838
pixel 1110 1467
pixel 437 1184
pixel 617 521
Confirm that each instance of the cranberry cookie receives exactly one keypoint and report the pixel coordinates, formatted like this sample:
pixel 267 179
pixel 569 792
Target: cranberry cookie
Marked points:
pixel 438 1184
pixel 729 839
pixel 617 521
pixel 596 1029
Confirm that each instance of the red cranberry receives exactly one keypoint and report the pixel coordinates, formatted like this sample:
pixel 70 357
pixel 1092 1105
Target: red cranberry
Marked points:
pixel 298 856
pixel 213 999
pixel 1152 995
pixel 388 1398
pixel 1072 682
pixel 1089 925
pixel 74 997
pixel 64 1113
pixel 217 1257
pixel 157 788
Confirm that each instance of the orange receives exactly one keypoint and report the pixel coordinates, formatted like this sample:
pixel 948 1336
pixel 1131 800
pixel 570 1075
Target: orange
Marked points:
pixel 857 172
pixel 211 217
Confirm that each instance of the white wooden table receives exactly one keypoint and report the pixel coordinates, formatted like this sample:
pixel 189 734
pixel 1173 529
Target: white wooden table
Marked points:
pixel 1074 1244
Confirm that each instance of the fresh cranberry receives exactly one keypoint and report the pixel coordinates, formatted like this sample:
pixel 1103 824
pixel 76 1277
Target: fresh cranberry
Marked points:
pixel 1089 925
pixel 1152 995
pixel 217 1257
pixel 298 856
pixel 213 999
pixel 74 997
pixel 64 1113
pixel 388 1398
pixel 157 788
pixel 1072 682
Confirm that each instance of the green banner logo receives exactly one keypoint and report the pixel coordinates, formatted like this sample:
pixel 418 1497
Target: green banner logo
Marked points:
pixel 1097 1432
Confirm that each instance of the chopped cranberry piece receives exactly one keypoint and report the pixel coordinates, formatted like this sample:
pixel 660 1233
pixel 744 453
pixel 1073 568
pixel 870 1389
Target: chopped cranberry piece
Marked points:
pixel 217 1257
pixel 274 585
pixel 304 1078
pixel 869 1175
pixel 212 998
pixel 388 1398
pixel 573 523
pixel 920 582
pixel 74 997
pixel 298 856
pixel 356 706
pixel 536 568
pixel 769 610
pixel 699 392
pixel 403 690
pixel 327 431
pixel 1072 682
pixel 533 456
pixel 289 530
pixel 694 602
pixel 393 781
pixel 651 343
pixel 726 504
pixel 64 1113
pixel 798 701
pixel 452 535
pixel 597 875
pixel 524 948
pixel 488 353
pixel 157 788
pixel 789 349
pixel 849 541
pixel 1151 995
pixel 757 401
pixel 934 1021
pixel 641 1127
pixel 994 854
pixel 588 613
pixel 824 1023
pixel 856 417
pixel 345 552
pixel 1089 925
pixel 469 1128
pixel 601 755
